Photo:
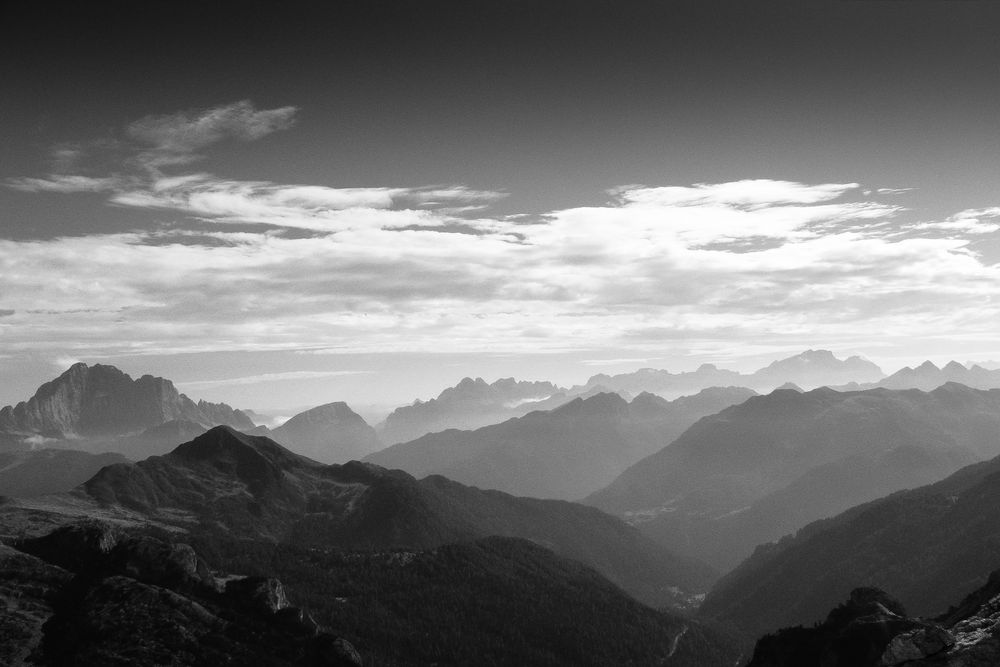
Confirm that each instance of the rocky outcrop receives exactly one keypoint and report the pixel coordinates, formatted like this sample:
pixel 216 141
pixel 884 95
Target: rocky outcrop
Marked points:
pixel 331 433
pixel 101 401
pixel 872 630
pixel 855 634
pixel 94 594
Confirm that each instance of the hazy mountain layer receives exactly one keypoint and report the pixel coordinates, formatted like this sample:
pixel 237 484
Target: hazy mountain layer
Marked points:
pixel 42 471
pixel 243 487
pixel 564 453
pixel 468 405
pixel 928 376
pixel 331 433
pixel 927 547
pixel 810 369
pixel 763 468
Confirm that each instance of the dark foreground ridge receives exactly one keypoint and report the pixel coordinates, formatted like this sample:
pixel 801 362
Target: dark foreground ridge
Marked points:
pixel 92 595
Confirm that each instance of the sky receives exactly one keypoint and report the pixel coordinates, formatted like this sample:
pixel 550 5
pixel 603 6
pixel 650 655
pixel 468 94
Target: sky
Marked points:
pixel 284 204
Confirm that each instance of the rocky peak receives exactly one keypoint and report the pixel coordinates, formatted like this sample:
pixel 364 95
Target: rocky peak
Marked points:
pixel 102 401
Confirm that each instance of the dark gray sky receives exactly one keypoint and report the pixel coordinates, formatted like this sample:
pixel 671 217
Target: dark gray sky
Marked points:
pixel 361 186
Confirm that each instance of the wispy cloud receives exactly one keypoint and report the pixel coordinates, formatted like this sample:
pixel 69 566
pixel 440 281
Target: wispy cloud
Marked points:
pixel 65 184
pixel 266 378
pixel 177 138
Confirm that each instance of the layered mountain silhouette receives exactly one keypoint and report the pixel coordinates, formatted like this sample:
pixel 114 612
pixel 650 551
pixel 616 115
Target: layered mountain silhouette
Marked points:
pixel 928 376
pixel 810 369
pixel 330 433
pixel 927 547
pixel 564 453
pixel 758 470
pixel 100 403
pixel 251 488
pixel 468 405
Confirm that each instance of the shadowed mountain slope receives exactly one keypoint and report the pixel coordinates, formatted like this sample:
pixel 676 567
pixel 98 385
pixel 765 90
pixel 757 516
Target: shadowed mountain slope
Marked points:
pixel 757 470
pixel 927 547
pixel 565 453
pixel 235 486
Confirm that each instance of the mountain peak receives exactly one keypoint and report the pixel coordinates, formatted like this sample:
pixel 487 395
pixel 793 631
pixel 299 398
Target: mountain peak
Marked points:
pixel 257 461
pixel 927 366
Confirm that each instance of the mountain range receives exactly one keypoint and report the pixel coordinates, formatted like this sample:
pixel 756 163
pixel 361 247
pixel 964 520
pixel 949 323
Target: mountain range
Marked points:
pixel 928 376
pixel 250 487
pixel 358 546
pixel 564 453
pixel 763 468
pixel 470 404
pixel 809 369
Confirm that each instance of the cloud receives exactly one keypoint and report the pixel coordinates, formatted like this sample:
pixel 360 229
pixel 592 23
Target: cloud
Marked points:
pixel 311 207
pixel 745 193
pixel 969 221
pixel 265 265
pixel 65 184
pixel 624 275
pixel 174 138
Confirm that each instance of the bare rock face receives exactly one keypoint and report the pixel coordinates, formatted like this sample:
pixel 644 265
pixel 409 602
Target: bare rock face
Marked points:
pixel 102 401
pixel 919 644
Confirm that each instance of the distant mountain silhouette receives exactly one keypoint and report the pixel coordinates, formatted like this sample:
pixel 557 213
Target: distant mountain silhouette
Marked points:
pixel 810 369
pixel 102 403
pixel 927 547
pixel 564 453
pixel 927 376
pixel 253 488
pixel 761 469
pixel 470 404
pixel 331 433
pixel 42 471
